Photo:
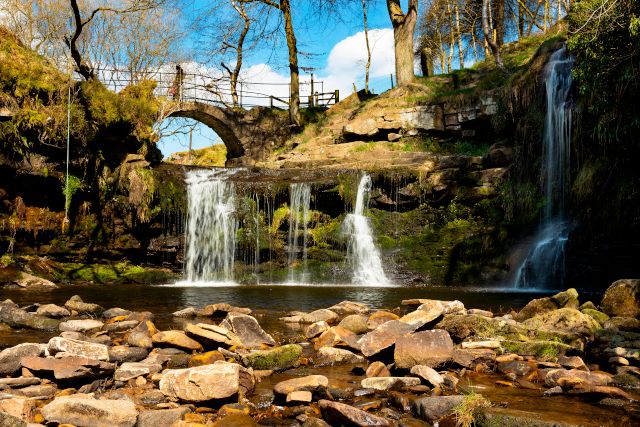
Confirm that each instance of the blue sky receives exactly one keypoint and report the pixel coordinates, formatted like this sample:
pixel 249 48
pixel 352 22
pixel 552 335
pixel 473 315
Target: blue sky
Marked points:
pixel 338 56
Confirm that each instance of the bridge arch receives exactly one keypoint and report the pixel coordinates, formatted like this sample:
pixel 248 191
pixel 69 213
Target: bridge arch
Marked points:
pixel 221 120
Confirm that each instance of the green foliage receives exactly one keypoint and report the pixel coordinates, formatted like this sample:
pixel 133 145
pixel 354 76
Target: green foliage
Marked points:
pixel 70 189
pixel 469 409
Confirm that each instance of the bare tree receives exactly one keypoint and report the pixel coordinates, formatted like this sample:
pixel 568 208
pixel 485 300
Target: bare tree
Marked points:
pixel 240 8
pixel 403 28
pixel 495 49
pixel 366 39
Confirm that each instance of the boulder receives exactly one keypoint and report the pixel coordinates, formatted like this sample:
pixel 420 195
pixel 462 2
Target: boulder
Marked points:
pixel 379 317
pixel 568 298
pixel 336 335
pixel 598 316
pixel 276 359
pixel 124 353
pixel 212 336
pixel 161 417
pixel 10 358
pixel 336 356
pixel 221 309
pixel 377 369
pixel 461 327
pixel 187 312
pixel 83 325
pixel 338 414
pixel 431 409
pixel 320 315
pixel 431 310
pixel 115 312
pixel 71 367
pixel 562 377
pixel 349 307
pixel 383 337
pixel 75 303
pixel 356 323
pixel 208 358
pixel 19 407
pixel 247 329
pixel 83 412
pixel 568 320
pixel 430 348
pixel 9 420
pixel 78 348
pixel 18 318
pixel 389 383
pixel 428 374
pixel 29 281
pixel 141 335
pixel 308 383
pixel 176 339
pixel 315 329
pixel 300 397
pixel 218 381
pixel 130 370
pixel 123 326
pixel 52 310
pixel 622 299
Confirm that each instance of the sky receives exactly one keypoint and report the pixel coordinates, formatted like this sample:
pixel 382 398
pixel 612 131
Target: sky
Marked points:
pixel 338 56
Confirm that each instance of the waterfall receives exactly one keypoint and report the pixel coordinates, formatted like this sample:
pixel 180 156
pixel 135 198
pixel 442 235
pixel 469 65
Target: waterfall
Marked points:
pixel 300 200
pixel 362 253
pixel 544 265
pixel 211 226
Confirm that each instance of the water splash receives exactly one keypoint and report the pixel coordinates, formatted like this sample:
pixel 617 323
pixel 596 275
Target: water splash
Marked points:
pixel 362 253
pixel 211 226
pixel 544 265
pixel 300 201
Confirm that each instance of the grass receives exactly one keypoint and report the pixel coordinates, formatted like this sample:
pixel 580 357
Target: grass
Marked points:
pixel 467 412
pixel 215 155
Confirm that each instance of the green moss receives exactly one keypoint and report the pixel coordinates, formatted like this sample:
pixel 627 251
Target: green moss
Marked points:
pixel 598 316
pixel 111 273
pixel 541 349
pixel 279 358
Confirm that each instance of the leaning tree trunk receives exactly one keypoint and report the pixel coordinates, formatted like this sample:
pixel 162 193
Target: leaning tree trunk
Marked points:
pixel 495 50
pixel 81 66
pixel 403 29
pixel 294 96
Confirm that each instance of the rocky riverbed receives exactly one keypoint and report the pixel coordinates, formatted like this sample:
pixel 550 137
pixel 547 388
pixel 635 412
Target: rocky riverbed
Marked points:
pixel 557 361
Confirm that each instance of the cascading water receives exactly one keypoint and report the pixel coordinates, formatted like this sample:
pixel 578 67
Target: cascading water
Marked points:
pixel 362 252
pixel 544 265
pixel 211 226
pixel 300 201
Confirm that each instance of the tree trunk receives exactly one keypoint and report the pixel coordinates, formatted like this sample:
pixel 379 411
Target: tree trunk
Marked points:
pixel 426 62
pixel 81 66
pixel 459 34
pixel 403 28
pixel 235 73
pixel 495 50
pixel 498 20
pixel 294 97
pixel 366 39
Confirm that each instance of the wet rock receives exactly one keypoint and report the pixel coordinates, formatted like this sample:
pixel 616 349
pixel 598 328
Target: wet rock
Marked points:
pixel 84 326
pixel 379 317
pixel 428 374
pixel 356 323
pixel 553 391
pixel 125 325
pixel 233 420
pixel 345 308
pixel 572 362
pixel 462 327
pixel 316 329
pixel 29 281
pixel 18 318
pixel 389 383
pixel 430 348
pixel 208 358
pixel 319 315
pixel 52 310
pixel 83 412
pixel 498 416
pixel 71 367
pixel 187 312
pixel 377 369
pixel 600 390
pixel 538 348
pixel 568 298
pixel 433 408
pixel 315 422
pixel 598 316
pixel 622 299
pixel 78 348
pixel 383 337
pixel 567 320
pixel 431 310
pixel 141 335
pixel 218 381
pixel 337 356
pixel 161 417
pixel 130 370
pixel 277 359
pixel 340 414
pixel 516 367
pixel 336 335
pixel 309 383
pixel 563 377
pixel 75 303
pixel 10 358
pixel 221 309
pixel 300 397
pixel 248 330
pixel 115 312
pixel 212 336
pixel 175 339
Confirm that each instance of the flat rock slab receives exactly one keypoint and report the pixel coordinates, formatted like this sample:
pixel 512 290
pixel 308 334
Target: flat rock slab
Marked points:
pixel 337 356
pixel 78 348
pixel 176 339
pixel 82 325
pixel 212 335
pixel 221 309
pixel 218 381
pixel 338 414
pixel 71 367
pixel 84 412
pixel 428 374
pixel 247 329
pixel 18 318
pixel 130 370
pixel 388 383
pixel 52 310
pixel 430 348
pixel 383 337
pixel 308 383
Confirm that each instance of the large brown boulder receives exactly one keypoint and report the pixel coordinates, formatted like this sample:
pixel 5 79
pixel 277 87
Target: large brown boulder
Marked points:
pixel 75 303
pixel 247 329
pixel 567 320
pixel 622 299
pixel 384 337
pixel 429 348
pixel 176 339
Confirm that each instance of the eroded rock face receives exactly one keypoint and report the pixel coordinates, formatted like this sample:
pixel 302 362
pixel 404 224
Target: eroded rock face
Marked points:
pixel 87 412
pixel 247 329
pixel 429 348
pixel 622 299
pixel 340 414
pixel 218 381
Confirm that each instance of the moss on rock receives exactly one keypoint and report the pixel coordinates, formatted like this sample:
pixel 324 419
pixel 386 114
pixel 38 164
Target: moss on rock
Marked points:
pixel 278 359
